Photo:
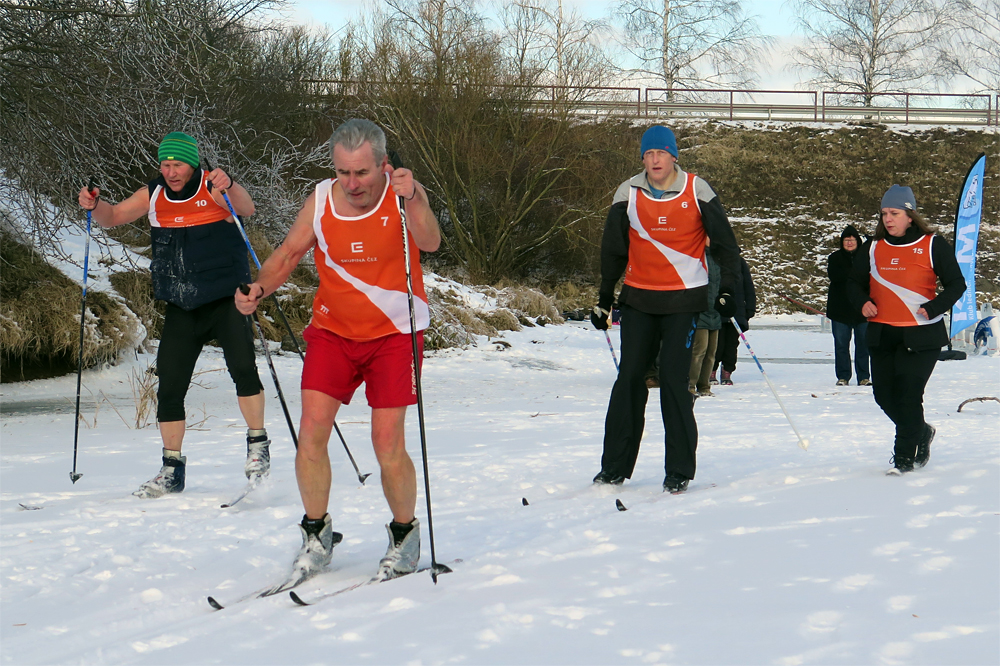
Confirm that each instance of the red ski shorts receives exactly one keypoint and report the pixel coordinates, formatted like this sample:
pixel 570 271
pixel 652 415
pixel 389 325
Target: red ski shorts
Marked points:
pixel 336 366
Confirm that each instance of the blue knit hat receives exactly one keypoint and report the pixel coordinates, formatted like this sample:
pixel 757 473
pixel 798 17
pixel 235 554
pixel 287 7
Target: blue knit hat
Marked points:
pixel 899 197
pixel 658 137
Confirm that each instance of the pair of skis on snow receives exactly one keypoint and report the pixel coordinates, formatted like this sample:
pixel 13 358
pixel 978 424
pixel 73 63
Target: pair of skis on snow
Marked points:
pixel 289 584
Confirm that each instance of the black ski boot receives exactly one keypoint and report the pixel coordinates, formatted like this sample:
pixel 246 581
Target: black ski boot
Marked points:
pixel 609 478
pixel 169 480
pixel 675 483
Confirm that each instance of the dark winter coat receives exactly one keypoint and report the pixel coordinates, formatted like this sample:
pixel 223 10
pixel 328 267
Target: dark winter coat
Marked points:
pixel 916 338
pixel 838 269
pixel 192 266
pixel 710 319
pixel 746 296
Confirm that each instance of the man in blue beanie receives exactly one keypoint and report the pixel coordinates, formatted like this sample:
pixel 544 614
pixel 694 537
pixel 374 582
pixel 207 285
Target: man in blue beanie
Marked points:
pixel 656 234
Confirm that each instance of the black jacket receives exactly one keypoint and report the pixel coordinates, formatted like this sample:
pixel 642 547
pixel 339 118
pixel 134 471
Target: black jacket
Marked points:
pixel 746 296
pixel 916 338
pixel 838 269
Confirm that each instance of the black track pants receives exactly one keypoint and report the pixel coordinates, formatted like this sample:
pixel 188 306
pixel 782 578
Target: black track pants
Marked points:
pixel 898 380
pixel 726 350
pixel 185 332
pixel 643 335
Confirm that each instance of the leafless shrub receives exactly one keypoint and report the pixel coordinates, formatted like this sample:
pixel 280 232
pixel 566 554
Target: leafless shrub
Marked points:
pixel 143 385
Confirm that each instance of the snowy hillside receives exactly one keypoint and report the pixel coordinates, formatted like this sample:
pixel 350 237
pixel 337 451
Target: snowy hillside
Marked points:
pixel 775 555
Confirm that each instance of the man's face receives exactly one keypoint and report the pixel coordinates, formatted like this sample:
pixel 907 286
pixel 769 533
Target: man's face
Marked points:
pixel 360 176
pixel 850 243
pixel 177 174
pixel 659 164
pixel 896 221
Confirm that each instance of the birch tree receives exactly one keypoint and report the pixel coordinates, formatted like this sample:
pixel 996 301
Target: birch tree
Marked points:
pixel 973 47
pixel 693 43
pixel 870 46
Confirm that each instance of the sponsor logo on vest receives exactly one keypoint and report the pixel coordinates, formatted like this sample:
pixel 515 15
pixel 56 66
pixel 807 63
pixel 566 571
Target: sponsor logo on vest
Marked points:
pixel 357 247
pixel 324 309
pixel 895 260
pixel 179 219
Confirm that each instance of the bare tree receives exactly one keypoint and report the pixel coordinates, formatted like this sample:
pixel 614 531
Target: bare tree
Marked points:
pixel 870 46
pixel 551 45
pixel 692 43
pixel 973 48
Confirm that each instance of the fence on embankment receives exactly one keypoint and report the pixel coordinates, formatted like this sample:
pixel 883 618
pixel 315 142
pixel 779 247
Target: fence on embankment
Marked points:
pixel 752 105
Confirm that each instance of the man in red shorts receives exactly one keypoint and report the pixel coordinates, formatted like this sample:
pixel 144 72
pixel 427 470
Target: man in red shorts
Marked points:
pixel 360 330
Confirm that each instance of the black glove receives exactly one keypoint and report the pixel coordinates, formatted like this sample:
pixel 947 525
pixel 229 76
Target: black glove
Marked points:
pixel 725 304
pixel 599 318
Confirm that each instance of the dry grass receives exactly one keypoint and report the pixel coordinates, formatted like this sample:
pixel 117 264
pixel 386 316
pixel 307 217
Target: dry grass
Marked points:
pixel 40 319
pixel 136 288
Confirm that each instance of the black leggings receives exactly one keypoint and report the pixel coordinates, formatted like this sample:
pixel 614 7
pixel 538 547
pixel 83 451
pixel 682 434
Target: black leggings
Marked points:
pixel 642 334
pixel 185 332
pixel 898 380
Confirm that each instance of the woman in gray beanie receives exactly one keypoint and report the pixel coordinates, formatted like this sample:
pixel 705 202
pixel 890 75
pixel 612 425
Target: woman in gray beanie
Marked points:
pixel 894 283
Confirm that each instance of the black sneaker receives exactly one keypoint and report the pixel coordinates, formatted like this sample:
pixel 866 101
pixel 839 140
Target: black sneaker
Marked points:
pixel 924 446
pixel 675 483
pixel 900 466
pixel 609 478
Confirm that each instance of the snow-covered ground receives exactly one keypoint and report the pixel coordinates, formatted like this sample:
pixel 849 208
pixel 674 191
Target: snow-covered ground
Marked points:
pixel 775 556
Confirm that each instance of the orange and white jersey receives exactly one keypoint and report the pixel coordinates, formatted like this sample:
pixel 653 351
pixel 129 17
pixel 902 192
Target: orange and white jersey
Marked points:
pixel 902 280
pixel 199 209
pixel 666 250
pixel 362 278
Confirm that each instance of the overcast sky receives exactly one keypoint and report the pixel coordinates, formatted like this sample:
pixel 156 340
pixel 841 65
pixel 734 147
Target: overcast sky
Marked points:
pixel 775 17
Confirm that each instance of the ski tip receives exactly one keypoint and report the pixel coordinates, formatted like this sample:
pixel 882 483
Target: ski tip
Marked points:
pixel 524 501
pixel 362 477
pixel 804 443
pixel 620 506
pixel 297 599
pixel 215 604
pixel 225 506
pixel 74 477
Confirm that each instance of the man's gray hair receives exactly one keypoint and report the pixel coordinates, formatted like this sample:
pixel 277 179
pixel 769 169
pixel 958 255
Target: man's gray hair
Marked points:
pixel 355 132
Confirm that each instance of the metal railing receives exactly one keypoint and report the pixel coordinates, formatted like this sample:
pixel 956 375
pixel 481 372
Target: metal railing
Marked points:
pixel 729 104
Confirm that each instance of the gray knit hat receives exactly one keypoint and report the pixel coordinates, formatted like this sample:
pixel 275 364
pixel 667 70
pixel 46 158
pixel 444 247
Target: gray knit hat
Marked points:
pixel 899 197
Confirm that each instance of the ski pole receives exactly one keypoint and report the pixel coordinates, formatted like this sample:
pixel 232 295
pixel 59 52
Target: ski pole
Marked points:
pixel 803 442
pixel 270 364
pixel 74 476
pixel 436 568
pixel 612 348
pixel 288 327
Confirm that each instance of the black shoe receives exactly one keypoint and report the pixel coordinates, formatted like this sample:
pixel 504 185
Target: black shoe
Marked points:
pixel 675 483
pixel 924 446
pixel 609 478
pixel 900 466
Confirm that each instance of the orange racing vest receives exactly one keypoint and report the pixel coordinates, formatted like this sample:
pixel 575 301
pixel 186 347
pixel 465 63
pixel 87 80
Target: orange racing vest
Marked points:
pixel 902 280
pixel 362 278
pixel 199 209
pixel 666 250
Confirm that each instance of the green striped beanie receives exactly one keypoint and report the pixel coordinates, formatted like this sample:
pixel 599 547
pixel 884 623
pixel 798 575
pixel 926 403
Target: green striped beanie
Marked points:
pixel 181 147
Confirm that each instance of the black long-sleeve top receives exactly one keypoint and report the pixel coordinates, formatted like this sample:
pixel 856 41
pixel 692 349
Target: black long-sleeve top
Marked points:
pixel 916 338
pixel 615 244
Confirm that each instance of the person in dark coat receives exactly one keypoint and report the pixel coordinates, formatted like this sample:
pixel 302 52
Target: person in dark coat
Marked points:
pixel 894 283
pixel 846 320
pixel 729 338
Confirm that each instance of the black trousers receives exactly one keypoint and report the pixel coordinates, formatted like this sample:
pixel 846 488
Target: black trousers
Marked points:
pixel 898 380
pixel 725 351
pixel 185 332
pixel 643 336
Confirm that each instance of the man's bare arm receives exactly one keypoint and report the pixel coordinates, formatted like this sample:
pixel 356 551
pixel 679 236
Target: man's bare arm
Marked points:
pixel 282 262
pixel 420 219
pixel 108 215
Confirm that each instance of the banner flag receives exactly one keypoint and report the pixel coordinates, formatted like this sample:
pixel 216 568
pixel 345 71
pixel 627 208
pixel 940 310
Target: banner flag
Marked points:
pixel 968 215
